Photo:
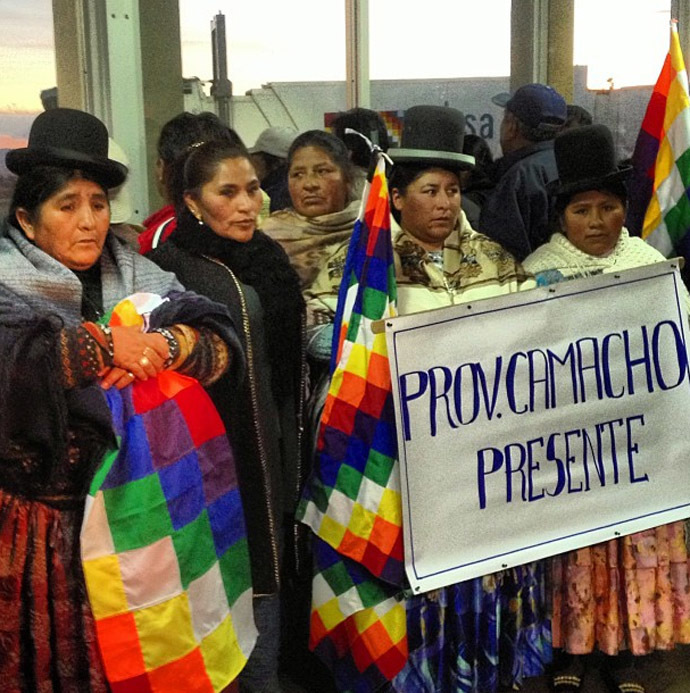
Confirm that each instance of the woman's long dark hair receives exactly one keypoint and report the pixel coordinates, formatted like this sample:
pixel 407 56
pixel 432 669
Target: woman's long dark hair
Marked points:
pixel 178 138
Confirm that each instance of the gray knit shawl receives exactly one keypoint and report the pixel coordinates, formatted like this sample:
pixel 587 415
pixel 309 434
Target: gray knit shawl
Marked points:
pixel 31 279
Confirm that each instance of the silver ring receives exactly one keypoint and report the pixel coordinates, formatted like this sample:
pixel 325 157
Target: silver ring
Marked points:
pixel 130 374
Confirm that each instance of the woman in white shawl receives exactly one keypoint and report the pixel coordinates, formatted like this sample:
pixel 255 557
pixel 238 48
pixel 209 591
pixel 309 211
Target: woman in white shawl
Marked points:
pixel 590 207
pixel 628 596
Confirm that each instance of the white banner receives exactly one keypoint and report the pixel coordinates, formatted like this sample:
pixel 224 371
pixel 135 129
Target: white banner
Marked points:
pixel 539 422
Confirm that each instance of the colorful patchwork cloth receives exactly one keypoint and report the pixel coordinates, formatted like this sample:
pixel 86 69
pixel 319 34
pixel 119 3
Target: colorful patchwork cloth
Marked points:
pixel 164 545
pixel 659 202
pixel 357 622
pixel 465 638
pixel 353 502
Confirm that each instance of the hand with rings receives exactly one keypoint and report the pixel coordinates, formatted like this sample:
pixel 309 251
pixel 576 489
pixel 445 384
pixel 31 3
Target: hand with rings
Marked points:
pixel 145 362
pixel 140 353
pixel 117 377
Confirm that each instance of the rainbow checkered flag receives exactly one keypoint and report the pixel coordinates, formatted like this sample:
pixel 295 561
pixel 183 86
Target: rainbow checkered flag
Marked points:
pixel 352 502
pixel 659 207
pixel 164 544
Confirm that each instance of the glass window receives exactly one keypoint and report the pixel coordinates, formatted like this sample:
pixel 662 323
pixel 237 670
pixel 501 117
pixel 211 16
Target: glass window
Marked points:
pixel 452 39
pixel 301 40
pixel 27 67
pixel 455 54
pixel 27 54
pixel 622 42
pixel 271 47
pixel 619 50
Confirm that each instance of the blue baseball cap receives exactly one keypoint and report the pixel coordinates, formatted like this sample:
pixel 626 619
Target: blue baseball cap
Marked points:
pixel 537 106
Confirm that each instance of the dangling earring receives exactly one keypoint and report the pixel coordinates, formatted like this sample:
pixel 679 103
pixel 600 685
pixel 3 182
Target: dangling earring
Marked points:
pixel 200 221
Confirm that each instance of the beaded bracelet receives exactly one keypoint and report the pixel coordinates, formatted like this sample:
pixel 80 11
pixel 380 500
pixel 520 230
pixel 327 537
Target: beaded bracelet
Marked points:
pixel 173 346
pixel 108 334
pixel 103 337
pixel 187 337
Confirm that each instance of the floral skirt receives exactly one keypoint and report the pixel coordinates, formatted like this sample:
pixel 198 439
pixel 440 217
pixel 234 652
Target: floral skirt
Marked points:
pixel 477 635
pixel 628 593
pixel 47 637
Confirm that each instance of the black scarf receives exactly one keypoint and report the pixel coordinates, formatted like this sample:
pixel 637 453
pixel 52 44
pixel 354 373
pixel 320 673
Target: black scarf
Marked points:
pixel 262 264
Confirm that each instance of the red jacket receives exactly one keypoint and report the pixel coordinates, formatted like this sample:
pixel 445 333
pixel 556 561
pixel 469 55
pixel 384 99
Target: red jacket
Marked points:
pixel 157 229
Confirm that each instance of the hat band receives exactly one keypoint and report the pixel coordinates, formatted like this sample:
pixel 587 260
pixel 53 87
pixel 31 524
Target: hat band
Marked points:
pixel 430 155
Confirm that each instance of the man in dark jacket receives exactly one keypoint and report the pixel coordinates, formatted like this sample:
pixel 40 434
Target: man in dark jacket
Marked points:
pixel 517 213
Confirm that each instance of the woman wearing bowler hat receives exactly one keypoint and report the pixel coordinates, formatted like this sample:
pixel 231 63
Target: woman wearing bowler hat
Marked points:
pixel 628 596
pixel 476 635
pixel 480 634
pixel 61 272
pixel 440 259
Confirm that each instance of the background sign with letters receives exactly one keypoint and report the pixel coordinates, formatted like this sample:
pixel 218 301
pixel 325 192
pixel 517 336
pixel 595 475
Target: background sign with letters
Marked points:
pixel 542 421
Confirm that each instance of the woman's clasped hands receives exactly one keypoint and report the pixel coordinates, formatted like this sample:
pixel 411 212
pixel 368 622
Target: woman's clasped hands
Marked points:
pixel 137 356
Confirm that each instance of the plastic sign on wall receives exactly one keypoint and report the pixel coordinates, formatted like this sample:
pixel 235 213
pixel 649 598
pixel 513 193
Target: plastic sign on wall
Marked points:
pixel 540 422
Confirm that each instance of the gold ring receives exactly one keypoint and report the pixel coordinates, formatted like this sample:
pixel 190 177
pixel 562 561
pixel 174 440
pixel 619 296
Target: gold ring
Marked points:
pixel 144 361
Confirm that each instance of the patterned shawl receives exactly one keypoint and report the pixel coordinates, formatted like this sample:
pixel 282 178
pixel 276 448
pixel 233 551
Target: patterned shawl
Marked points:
pixel 308 242
pixel 474 267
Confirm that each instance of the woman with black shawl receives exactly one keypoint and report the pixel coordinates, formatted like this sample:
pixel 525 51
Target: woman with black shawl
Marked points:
pixel 217 251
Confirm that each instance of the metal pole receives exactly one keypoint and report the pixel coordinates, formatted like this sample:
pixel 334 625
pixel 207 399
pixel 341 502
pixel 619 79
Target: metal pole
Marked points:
pixel 560 46
pixel 222 86
pixel 358 91
pixel 125 99
pixel 529 33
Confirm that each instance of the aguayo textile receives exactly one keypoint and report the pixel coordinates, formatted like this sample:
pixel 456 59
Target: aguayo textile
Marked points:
pixel 352 502
pixel 358 622
pixel 659 205
pixel 164 546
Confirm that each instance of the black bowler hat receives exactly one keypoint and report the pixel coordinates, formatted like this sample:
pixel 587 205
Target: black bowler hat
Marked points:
pixel 586 159
pixel 68 138
pixel 433 135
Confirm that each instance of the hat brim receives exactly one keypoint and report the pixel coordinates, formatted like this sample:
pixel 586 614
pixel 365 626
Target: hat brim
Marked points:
pixel 263 150
pixel 591 183
pixel 501 99
pixel 108 172
pixel 451 160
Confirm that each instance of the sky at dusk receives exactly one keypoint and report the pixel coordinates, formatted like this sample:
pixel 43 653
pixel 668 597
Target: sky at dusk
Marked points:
pixel 27 54
pixel 300 40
